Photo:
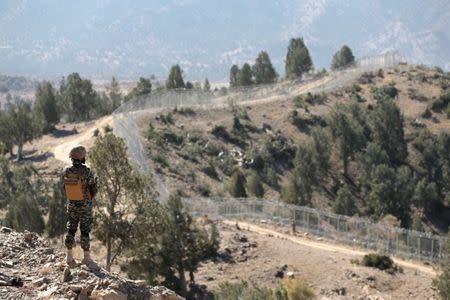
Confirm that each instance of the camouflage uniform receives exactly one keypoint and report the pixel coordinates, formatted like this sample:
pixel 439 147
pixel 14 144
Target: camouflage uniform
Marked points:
pixel 80 211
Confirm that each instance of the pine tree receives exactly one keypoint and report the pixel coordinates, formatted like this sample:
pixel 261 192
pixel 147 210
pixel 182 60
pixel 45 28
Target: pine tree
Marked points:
pixel 245 76
pixel 263 70
pixel 143 87
pixel 57 213
pixel 121 196
pixel 206 85
pixel 343 58
pixel 24 125
pixel 236 185
pixel 298 60
pixel 254 185
pixel 347 133
pixel 344 204
pixel 234 74
pixel 77 97
pixel 45 107
pixel 114 93
pixel 387 129
pixel 175 79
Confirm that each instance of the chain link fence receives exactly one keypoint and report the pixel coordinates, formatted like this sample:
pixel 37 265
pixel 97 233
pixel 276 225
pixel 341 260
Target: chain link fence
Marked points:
pixel 351 231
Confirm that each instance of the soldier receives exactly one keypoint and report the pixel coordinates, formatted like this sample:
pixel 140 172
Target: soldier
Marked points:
pixel 80 187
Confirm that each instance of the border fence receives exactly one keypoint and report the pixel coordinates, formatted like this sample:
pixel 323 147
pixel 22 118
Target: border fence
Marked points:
pixel 351 231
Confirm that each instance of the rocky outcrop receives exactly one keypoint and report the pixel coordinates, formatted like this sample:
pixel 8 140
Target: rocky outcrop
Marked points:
pixel 31 269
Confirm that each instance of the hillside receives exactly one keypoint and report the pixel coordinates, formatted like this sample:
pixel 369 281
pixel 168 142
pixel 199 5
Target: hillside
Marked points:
pixel 195 149
pixel 31 269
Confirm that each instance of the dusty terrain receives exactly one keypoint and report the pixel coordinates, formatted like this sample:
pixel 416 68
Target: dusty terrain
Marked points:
pixel 257 254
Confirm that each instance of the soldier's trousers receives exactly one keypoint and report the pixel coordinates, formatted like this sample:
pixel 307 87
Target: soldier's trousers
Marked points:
pixel 79 212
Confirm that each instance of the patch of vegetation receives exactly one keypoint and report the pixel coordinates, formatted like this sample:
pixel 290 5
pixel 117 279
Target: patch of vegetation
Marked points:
pixel 385 92
pixel 311 99
pixel 303 122
pixel 210 169
pixel 427 114
pixel 442 102
pixel 381 262
pixel 442 281
pixel 185 111
pixel 366 78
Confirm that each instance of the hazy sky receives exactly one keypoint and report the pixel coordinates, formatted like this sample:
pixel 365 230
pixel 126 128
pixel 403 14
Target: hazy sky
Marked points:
pixel 132 38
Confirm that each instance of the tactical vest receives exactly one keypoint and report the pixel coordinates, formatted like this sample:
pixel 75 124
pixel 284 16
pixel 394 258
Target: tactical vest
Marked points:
pixel 75 187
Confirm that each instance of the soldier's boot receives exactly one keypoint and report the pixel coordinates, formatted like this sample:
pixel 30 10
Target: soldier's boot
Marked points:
pixel 70 261
pixel 88 261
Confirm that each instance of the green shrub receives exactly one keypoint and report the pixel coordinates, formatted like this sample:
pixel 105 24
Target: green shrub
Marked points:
pixel 220 131
pixel 427 114
pixel 107 129
pixel 385 91
pixel 442 102
pixel 96 132
pixel 298 290
pixel 210 169
pixel 249 291
pixel 161 159
pixel 381 262
pixel 366 77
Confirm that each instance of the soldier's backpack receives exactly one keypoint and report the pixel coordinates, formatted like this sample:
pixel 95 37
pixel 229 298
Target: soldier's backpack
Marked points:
pixel 74 186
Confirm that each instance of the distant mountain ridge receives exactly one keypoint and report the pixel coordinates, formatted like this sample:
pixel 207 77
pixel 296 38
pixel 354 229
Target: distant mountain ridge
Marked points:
pixel 132 38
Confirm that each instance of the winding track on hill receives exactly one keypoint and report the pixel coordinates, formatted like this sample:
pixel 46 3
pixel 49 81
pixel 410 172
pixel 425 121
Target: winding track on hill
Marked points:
pixel 329 247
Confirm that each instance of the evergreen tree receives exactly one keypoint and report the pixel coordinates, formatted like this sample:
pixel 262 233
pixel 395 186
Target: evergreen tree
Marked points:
pixel 114 93
pixel 343 58
pixel 21 196
pixel 426 195
pixel 206 85
pixel 304 178
pixel 6 127
pixel 442 281
pixel 254 185
pixel 245 76
pixel 322 146
pixel 369 160
pixel 24 125
pixel 347 134
pixel 175 79
pixel 57 213
pixel 236 185
pixel 344 204
pixel 45 108
pixel 234 76
pixel 171 245
pixel 298 60
pixel 143 87
pixel 263 70
pixel 391 192
pixel 387 131
pixel 189 85
pixel 77 98
pixel 121 196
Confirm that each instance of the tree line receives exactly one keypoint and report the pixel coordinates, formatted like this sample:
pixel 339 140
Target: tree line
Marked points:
pixel 297 63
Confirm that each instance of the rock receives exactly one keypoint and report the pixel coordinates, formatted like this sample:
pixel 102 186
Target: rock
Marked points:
pixel 40 281
pixel 76 288
pixel 44 295
pixel 8 263
pixel 5 229
pixel 67 276
pixel 83 274
pixel 29 236
pixel 290 275
pixel 340 291
pixel 108 295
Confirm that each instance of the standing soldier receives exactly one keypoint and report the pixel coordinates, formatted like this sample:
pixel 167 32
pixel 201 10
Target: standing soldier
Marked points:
pixel 80 187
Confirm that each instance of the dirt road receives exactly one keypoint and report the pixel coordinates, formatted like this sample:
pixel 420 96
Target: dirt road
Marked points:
pixel 327 246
